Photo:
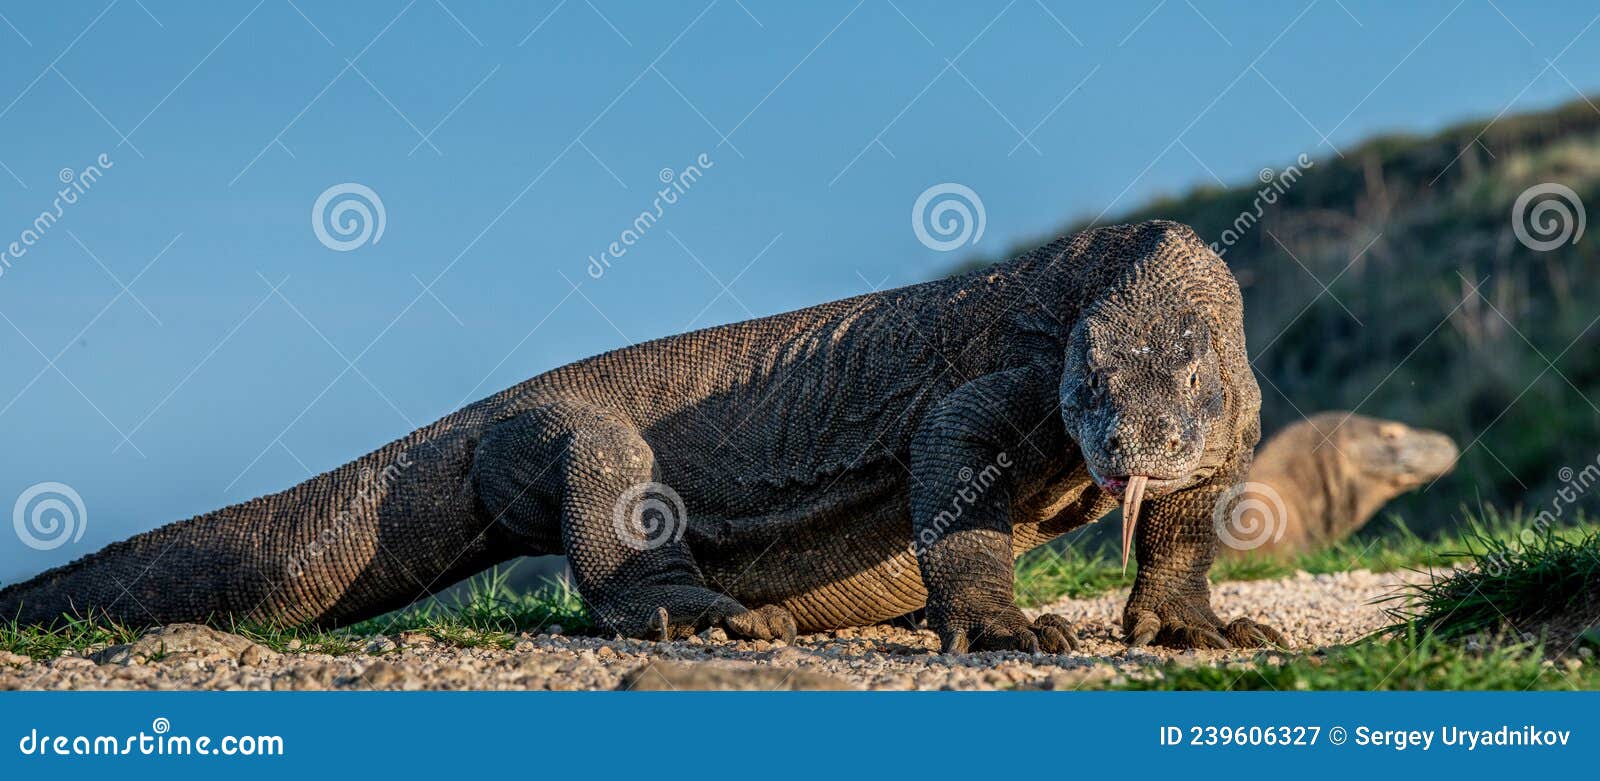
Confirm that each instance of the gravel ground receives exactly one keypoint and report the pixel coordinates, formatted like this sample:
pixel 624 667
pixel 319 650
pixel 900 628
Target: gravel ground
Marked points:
pixel 1312 610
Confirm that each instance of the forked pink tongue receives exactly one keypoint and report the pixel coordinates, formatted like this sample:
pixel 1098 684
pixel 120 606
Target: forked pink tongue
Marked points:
pixel 1132 496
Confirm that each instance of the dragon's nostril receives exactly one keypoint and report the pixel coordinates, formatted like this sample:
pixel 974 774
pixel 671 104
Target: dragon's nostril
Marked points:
pixel 1174 442
pixel 1114 443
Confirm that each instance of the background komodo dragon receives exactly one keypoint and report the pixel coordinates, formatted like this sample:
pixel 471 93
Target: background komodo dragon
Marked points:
pixel 1331 473
pixel 837 465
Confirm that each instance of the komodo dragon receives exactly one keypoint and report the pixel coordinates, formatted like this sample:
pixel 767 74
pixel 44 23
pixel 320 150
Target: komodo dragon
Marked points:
pixel 1323 478
pixel 833 466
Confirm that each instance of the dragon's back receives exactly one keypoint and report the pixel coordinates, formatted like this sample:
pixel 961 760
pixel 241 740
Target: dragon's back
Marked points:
pixel 790 399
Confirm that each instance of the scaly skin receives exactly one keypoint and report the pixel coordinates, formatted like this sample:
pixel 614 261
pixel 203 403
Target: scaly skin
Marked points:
pixel 1329 474
pixel 839 465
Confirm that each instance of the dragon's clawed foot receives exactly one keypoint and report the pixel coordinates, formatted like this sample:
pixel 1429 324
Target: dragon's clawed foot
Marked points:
pixel 1012 632
pixel 1180 625
pixel 1245 633
pixel 768 622
pixel 1055 634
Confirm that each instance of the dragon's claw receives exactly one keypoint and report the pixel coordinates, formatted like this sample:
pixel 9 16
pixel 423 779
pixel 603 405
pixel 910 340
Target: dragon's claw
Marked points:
pixel 768 622
pixel 1246 633
pixel 1179 625
pixel 1012 632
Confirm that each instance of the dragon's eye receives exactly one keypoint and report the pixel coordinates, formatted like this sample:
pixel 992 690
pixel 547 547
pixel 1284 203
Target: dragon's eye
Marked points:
pixel 1194 380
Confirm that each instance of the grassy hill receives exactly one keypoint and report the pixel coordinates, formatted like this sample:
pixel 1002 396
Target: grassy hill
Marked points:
pixel 1438 315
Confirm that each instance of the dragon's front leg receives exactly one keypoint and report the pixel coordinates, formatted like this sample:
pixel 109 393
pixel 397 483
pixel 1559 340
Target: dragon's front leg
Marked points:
pixel 1171 600
pixel 961 498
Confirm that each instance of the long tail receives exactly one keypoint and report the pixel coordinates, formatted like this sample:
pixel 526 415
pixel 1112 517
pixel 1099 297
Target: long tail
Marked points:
pixel 349 544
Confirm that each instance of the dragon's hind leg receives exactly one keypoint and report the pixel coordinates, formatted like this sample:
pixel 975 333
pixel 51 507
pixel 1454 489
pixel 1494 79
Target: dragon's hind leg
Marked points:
pixel 590 473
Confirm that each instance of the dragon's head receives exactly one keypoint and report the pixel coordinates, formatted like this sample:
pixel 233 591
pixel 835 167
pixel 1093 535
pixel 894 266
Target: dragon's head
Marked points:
pixel 1390 454
pixel 1139 394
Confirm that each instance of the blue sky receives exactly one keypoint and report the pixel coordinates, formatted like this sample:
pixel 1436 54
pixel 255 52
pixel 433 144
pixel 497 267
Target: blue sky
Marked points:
pixel 180 339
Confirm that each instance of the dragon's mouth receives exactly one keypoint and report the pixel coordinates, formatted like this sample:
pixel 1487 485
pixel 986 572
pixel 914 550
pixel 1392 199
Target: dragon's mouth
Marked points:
pixel 1133 489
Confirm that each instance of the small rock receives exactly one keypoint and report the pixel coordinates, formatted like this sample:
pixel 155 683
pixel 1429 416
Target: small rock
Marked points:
pixel 381 674
pixel 255 655
pixel 380 645
pixel 537 664
pixel 606 652
pixel 8 659
pixel 180 643
pixel 1016 673
pixel 133 672
pixel 787 656
pixel 318 676
pixel 417 639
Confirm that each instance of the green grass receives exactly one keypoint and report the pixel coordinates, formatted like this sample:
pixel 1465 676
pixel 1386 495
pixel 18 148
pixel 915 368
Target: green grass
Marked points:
pixel 1411 661
pixel 298 640
pixel 70 635
pixel 1469 629
pixel 489 613
pixel 1051 572
pixel 1536 572
pixel 1388 545
pixel 1516 583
